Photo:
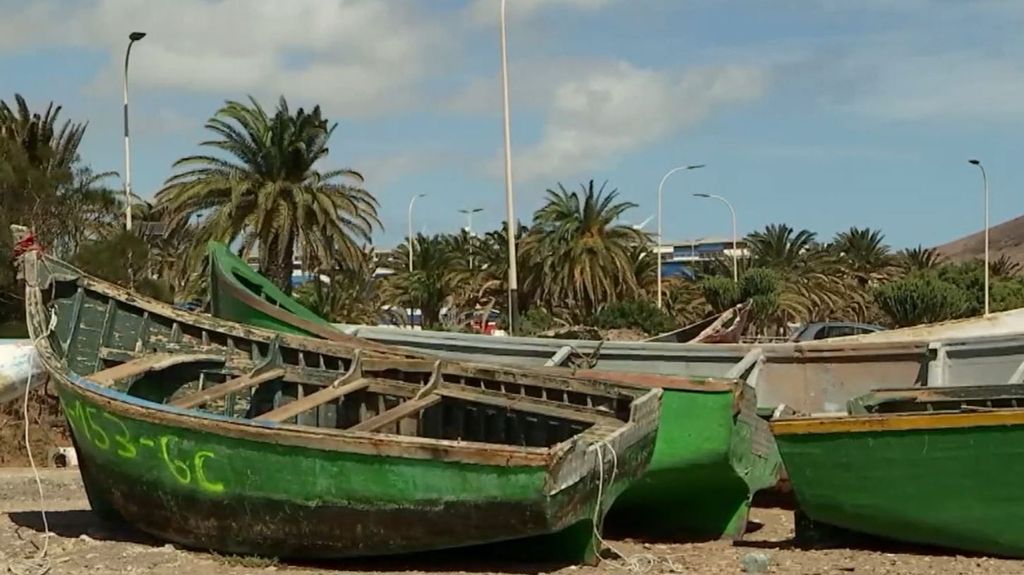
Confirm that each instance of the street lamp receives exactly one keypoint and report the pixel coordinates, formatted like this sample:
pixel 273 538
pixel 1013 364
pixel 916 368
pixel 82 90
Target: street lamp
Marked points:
pixel 513 280
pixel 132 38
pixel 409 239
pixel 658 249
pixel 469 217
pixel 735 269
pixel 984 180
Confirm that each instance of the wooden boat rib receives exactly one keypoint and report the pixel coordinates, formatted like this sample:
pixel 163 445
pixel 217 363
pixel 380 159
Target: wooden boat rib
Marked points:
pixel 712 451
pixel 935 467
pixel 184 429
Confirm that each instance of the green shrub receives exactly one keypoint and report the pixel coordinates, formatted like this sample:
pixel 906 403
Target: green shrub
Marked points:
pixel 922 298
pixel 642 315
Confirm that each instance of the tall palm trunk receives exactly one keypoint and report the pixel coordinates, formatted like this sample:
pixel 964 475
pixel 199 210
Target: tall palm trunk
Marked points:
pixel 278 263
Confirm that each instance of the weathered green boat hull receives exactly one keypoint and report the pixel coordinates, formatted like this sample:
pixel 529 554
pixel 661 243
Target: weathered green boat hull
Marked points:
pixel 953 487
pixel 232 495
pixel 225 304
pixel 708 459
pixel 708 462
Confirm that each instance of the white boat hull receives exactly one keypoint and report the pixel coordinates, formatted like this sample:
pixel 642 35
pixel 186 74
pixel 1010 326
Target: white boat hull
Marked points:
pixel 18 364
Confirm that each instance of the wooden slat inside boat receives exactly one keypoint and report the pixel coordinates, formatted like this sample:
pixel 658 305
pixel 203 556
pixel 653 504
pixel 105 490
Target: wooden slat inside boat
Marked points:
pixel 218 436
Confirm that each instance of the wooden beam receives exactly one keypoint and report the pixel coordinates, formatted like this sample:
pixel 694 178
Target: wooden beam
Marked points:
pixel 223 389
pixel 154 362
pixel 311 401
pixel 529 405
pixel 403 410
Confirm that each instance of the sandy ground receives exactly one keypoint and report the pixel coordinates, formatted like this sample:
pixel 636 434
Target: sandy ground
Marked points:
pixel 81 545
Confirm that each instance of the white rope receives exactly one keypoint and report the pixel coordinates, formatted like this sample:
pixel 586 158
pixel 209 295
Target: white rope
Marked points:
pixel 40 564
pixel 641 562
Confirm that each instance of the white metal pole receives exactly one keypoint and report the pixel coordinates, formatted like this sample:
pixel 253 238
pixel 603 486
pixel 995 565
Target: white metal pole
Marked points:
pixel 409 239
pixel 984 180
pixel 513 279
pixel 735 267
pixel 657 251
pixel 132 38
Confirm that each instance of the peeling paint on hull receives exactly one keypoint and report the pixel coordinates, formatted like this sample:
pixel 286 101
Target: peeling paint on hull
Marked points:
pixel 207 491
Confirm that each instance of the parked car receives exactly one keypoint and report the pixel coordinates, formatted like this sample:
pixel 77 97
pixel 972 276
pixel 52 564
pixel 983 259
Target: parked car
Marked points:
pixel 830 329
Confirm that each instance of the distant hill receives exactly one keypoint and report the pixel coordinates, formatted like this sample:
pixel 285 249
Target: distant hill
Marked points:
pixel 1006 238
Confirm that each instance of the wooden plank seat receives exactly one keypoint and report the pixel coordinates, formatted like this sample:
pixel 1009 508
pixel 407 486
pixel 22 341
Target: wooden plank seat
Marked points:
pixel 314 400
pixel 401 411
pixel 231 386
pixel 146 364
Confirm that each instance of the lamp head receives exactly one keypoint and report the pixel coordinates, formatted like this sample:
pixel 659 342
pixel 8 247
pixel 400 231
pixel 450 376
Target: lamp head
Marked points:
pixel 702 195
pixel 695 166
pixel 975 162
pixel 136 36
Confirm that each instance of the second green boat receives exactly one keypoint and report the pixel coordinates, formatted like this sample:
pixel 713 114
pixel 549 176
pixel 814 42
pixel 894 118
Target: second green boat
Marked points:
pixel 712 451
pixel 929 466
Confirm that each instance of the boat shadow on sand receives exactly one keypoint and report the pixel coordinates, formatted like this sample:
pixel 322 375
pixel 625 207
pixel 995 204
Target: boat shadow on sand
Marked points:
pixel 811 536
pixel 494 558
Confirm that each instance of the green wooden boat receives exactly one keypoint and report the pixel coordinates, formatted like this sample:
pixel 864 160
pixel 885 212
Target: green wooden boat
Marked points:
pixel 926 466
pixel 218 436
pixel 712 453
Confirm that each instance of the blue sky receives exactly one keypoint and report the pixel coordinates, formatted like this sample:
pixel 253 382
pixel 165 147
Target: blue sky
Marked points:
pixel 824 114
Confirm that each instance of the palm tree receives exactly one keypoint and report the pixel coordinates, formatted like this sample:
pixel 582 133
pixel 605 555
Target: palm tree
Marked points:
pixel 1004 267
pixel 580 258
pixel 432 282
pixel 918 259
pixel 53 148
pixel 865 254
pixel 779 246
pixel 814 285
pixel 270 193
pixel 351 294
pixel 492 261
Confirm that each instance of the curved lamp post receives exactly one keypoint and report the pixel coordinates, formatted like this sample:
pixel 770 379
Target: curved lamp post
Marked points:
pixel 469 217
pixel 409 239
pixel 657 253
pixel 735 268
pixel 132 38
pixel 984 180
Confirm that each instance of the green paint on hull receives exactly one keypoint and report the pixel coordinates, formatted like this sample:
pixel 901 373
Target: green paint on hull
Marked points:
pixel 955 488
pixel 205 490
pixel 226 307
pixel 705 469
pixel 708 461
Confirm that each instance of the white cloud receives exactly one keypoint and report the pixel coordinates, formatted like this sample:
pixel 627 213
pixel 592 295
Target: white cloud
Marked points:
pixel 603 114
pixel 486 12
pixel 359 57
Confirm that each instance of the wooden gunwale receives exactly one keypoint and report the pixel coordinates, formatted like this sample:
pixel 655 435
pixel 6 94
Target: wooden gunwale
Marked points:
pixel 896 422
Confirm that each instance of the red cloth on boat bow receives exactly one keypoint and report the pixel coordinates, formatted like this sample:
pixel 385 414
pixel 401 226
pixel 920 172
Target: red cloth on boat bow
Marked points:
pixel 26 244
